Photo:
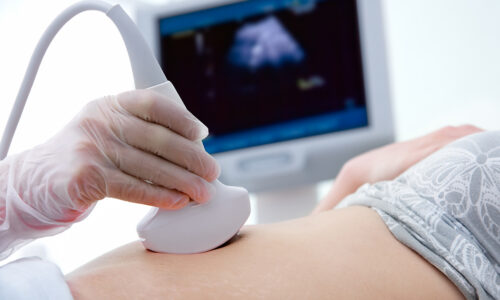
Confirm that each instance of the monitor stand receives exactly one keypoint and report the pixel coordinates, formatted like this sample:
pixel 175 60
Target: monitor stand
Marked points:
pixel 289 203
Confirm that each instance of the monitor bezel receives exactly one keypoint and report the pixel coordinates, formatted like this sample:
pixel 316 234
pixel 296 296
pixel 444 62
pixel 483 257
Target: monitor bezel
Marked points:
pixel 308 159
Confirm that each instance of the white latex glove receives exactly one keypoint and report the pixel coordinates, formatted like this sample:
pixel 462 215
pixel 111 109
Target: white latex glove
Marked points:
pixel 32 278
pixel 137 146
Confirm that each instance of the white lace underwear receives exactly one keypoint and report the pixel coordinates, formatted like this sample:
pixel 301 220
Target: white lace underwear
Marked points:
pixel 447 209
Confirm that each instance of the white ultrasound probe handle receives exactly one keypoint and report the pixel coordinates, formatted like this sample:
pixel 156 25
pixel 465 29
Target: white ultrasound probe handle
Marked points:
pixel 197 227
pixel 192 229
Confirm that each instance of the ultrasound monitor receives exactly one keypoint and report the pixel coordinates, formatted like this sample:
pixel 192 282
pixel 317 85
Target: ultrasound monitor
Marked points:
pixel 290 89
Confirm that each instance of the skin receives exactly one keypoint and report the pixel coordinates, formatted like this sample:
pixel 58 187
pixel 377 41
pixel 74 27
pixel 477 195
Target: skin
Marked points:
pixel 332 254
pixel 338 254
pixel 388 162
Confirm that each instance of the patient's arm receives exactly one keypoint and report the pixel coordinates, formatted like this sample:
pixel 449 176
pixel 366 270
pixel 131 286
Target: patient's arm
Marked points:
pixel 347 253
pixel 388 162
pixel 341 254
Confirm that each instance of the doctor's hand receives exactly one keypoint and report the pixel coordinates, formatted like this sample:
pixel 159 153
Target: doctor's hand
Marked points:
pixel 137 146
pixel 388 162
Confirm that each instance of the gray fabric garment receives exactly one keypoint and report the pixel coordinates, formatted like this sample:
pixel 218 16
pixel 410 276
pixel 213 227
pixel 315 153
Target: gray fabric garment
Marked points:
pixel 447 209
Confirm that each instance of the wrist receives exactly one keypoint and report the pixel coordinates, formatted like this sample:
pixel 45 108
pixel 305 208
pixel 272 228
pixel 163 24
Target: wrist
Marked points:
pixel 344 184
pixel 30 190
pixel 349 177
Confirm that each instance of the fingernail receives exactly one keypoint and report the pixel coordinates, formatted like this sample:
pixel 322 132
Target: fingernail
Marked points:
pixel 203 131
pixel 218 169
pixel 211 193
pixel 212 190
pixel 181 201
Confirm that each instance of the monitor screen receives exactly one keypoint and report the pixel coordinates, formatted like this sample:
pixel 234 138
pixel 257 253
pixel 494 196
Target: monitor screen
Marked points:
pixel 264 71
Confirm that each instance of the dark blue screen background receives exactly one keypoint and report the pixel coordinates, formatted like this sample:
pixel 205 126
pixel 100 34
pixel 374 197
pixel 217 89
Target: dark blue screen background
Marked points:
pixel 264 71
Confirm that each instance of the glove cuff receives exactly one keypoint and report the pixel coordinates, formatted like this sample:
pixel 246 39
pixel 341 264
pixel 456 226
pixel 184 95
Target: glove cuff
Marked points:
pixel 32 278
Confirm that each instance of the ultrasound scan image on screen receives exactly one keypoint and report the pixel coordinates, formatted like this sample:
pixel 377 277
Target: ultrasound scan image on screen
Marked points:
pixel 265 71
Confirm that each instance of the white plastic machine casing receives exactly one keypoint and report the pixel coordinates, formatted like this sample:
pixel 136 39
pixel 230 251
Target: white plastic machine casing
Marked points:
pixel 310 159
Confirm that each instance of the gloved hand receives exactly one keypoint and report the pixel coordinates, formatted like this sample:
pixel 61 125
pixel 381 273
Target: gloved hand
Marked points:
pixel 137 146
